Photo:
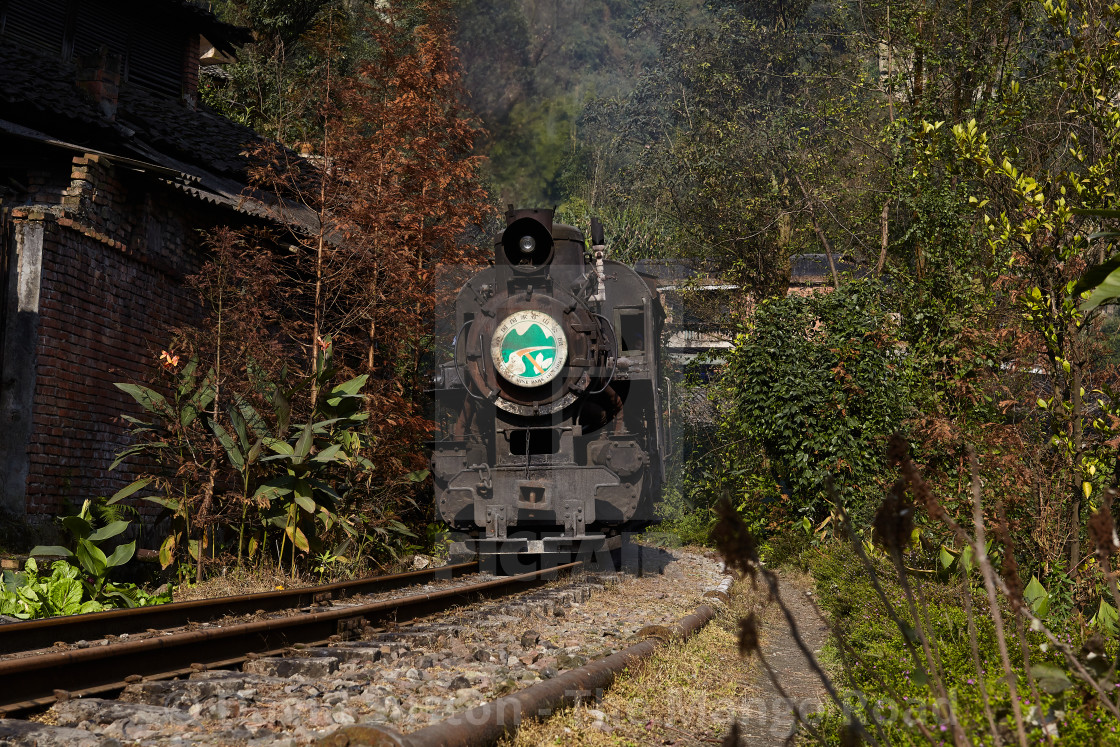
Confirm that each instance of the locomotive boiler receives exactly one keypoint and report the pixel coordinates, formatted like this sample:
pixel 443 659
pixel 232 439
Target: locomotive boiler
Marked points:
pixel 552 438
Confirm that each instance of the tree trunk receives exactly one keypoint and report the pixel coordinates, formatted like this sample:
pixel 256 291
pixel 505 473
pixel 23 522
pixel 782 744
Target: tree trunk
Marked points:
pixel 883 238
pixel 820 233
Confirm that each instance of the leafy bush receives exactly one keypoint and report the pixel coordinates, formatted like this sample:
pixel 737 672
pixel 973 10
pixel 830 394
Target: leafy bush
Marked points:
pixel 87 553
pixel 66 591
pixel 817 385
pixel 80 581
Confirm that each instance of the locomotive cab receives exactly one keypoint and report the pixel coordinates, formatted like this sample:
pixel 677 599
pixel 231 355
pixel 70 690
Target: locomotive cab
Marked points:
pixel 553 439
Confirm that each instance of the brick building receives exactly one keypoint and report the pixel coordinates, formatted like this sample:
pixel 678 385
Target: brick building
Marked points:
pixel 109 172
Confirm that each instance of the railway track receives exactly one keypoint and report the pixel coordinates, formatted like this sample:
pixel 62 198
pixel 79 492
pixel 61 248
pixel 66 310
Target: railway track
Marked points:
pixel 416 670
pixel 46 677
pixel 48 632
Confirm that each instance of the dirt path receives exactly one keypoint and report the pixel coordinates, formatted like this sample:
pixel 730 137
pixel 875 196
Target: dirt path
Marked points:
pixel 767 718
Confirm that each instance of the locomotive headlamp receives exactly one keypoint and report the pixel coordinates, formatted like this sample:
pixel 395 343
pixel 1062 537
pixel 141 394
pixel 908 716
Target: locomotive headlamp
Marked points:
pixel 527 243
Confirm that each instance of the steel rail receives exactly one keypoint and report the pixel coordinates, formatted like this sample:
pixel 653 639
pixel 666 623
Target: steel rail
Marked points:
pixel 44 678
pixel 488 723
pixel 44 633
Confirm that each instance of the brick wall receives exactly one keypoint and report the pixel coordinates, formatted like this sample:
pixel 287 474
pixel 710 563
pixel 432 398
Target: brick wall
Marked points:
pixel 114 254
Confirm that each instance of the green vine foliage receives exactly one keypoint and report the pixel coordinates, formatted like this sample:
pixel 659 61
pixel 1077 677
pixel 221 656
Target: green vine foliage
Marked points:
pixel 815 386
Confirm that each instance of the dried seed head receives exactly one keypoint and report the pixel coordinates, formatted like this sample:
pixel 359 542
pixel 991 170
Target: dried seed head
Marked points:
pixel 748 635
pixel 894 521
pixel 734 540
pixel 1102 531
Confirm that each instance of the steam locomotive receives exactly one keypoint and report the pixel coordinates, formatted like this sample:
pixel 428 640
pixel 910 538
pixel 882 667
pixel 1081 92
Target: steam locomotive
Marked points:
pixel 552 439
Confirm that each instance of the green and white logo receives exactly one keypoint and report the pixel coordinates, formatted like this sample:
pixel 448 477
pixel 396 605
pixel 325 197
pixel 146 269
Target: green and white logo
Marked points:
pixel 529 348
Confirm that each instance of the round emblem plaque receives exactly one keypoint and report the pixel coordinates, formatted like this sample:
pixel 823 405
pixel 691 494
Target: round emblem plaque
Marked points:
pixel 529 348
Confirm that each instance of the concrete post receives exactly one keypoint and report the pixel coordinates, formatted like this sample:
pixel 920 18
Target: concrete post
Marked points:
pixel 17 380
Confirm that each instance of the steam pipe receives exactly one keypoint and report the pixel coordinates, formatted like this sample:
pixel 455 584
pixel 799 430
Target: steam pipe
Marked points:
pixel 489 722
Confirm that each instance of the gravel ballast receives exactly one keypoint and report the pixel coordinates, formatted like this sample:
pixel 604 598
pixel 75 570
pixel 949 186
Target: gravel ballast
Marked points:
pixel 406 678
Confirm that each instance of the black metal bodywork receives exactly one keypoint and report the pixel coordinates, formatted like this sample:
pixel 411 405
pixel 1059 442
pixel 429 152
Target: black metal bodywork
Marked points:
pixel 522 466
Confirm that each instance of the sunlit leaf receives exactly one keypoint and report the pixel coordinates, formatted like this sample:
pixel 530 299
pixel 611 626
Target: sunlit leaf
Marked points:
pixel 1037 597
pixel 109 530
pixel 129 489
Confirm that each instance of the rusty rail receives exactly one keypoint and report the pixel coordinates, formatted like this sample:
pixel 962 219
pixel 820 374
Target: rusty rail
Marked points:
pixel 490 722
pixel 44 678
pixel 35 634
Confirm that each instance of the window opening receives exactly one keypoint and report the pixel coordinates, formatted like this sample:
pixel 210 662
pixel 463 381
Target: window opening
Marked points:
pixel 632 330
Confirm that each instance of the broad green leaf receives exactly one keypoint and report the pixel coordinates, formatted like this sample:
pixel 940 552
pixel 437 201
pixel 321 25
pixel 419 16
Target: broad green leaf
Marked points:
pixel 327 455
pixel 1106 291
pixel 64 596
pixel 347 388
pixel 205 394
pixel 303 444
pixel 187 376
pixel 63 569
pixel 92 559
pixel 253 418
pixel 1096 275
pixel 149 399
pixel 1038 599
pixel 255 452
pixel 128 490
pixel 303 496
pixel 967 558
pixel 1105 619
pixel 400 528
pixel 121 555
pixel 283 410
pixel 419 475
pixel 299 539
pixel 109 530
pixel 137 449
pixel 226 440
pixel 240 428
pixel 192 548
pixel 49 550
pixel 273 489
pixel 188 414
pixel 77 526
pixel 280 446
pixel 947 558
pixel 169 503
pixel 167 550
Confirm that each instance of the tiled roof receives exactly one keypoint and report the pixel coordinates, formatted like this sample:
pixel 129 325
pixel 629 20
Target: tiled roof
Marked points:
pixel 38 91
